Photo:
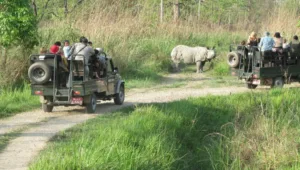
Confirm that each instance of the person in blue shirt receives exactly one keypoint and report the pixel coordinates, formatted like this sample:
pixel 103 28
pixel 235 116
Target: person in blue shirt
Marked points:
pixel 266 44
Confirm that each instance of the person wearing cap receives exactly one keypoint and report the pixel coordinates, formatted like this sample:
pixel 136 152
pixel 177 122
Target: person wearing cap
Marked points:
pixel 82 49
pixel 266 43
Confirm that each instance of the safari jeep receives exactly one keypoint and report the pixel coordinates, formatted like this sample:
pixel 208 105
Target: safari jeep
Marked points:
pixel 57 86
pixel 273 69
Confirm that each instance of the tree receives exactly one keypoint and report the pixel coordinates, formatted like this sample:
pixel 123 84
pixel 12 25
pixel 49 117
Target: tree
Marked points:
pixel 18 25
pixel 176 10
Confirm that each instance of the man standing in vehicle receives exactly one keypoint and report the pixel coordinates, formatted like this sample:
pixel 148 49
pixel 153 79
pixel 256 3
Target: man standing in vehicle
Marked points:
pixel 82 49
pixel 295 46
pixel 266 44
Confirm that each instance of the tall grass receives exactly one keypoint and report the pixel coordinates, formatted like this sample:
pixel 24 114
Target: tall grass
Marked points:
pixel 131 33
pixel 17 100
pixel 144 53
pixel 245 131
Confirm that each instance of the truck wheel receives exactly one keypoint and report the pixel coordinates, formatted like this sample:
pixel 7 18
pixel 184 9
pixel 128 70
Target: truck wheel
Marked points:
pixel 39 73
pixel 47 107
pixel 233 59
pixel 91 105
pixel 277 82
pixel 120 97
pixel 251 86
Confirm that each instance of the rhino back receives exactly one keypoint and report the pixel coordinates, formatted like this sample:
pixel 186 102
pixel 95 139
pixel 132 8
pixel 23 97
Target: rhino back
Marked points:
pixel 201 53
pixel 188 54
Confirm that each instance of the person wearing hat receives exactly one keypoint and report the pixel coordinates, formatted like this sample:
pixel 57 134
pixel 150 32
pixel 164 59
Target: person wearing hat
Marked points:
pixel 82 49
pixel 266 44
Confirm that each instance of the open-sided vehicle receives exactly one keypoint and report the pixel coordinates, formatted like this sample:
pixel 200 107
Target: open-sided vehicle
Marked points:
pixel 57 86
pixel 257 68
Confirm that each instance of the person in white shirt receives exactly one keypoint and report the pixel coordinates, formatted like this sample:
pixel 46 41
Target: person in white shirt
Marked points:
pixel 66 48
pixel 285 45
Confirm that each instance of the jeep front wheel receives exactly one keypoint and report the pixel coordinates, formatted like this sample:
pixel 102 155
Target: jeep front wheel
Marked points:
pixel 120 97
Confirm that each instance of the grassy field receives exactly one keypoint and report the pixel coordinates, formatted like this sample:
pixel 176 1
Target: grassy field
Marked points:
pixel 19 100
pixel 244 131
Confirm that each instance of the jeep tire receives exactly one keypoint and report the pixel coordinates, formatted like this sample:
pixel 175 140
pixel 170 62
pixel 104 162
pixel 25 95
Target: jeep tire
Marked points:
pixel 277 82
pixel 251 86
pixel 39 73
pixel 233 59
pixel 91 104
pixel 47 108
pixel 120 97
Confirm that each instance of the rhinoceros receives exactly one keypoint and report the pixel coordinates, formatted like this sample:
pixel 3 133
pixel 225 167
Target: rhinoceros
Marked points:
pixel 188 55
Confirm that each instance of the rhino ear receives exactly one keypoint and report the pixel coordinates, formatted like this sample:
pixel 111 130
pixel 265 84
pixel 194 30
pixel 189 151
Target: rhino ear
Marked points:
pixel 207 47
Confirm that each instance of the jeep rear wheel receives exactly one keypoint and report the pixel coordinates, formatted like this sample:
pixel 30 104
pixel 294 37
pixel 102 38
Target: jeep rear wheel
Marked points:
pixel 251 86
pixel 91 105
pixel 277 82
pixel 120 97
pixel 39 73
pixel 47 107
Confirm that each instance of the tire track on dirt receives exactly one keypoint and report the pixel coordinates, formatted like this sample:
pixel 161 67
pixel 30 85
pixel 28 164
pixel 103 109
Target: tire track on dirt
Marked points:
pixel 23 149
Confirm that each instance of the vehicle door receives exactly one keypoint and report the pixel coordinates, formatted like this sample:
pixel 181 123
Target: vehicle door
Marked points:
pixel 111 76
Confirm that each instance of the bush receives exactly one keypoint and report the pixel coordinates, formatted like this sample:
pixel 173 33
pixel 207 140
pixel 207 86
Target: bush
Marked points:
pixel 17 100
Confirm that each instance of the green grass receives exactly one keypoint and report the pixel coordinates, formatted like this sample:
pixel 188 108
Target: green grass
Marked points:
pixel 244 131
pixel 18 100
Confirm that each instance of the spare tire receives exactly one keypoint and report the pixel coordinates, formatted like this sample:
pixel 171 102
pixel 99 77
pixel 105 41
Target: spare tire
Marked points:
pixel 233 59
pixel 39 73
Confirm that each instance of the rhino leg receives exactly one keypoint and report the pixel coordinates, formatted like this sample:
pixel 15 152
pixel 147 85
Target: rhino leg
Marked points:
pixel 176 67
pixel 202 63
pixel 198 65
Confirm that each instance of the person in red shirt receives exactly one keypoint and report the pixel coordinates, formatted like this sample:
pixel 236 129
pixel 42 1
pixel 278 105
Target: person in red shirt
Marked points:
pixel 55 48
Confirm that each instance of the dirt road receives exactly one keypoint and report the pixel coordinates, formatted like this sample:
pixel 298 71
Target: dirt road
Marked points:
pixel 38 127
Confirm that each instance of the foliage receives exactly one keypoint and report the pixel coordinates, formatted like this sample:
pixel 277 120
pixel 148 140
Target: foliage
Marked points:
pixel 17 100
pixel 245 131
pixel 17 23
